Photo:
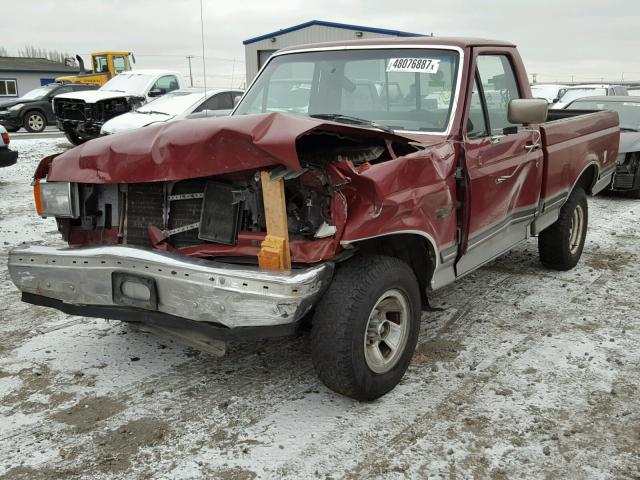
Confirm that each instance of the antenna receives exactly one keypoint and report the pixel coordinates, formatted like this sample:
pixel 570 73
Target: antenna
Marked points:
pixel 204 68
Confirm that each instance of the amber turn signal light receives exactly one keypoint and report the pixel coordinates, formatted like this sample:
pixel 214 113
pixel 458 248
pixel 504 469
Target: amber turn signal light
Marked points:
pixel 36 196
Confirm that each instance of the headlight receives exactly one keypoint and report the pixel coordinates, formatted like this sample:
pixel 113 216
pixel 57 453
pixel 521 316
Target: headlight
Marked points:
pixel 16 107
pixel 56 199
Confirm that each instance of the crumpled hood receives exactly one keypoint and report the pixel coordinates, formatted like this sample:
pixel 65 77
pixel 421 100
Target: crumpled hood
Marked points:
pixel 133 120
pixel 93 96
pixel 194 148
pixel 629 142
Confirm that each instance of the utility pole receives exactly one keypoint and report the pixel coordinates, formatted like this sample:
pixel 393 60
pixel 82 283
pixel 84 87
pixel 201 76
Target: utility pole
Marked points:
pixel 189 57
pixel 233 71
pixel 535 78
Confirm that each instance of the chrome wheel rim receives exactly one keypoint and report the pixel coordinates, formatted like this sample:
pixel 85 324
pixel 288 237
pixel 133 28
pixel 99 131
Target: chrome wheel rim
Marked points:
pixel 387 331
pixel 36 122
pixel 575 232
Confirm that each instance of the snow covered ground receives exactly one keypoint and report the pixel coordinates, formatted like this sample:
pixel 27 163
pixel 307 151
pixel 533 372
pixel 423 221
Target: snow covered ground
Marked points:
pixel 526 373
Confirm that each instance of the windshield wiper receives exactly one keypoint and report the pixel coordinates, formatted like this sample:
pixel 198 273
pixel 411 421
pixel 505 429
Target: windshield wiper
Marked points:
pixel 629 129
pixel 153 111
pixel 352 120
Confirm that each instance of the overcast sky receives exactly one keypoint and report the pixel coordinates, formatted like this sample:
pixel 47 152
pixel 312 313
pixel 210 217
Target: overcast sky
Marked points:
pixel 558 39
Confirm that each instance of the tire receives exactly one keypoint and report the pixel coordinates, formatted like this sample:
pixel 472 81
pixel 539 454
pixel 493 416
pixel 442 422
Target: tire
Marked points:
pixel 636 181
pixel 560 245
pixel 12 129
pixel 349 360
pixel 34 121
pixel 74 138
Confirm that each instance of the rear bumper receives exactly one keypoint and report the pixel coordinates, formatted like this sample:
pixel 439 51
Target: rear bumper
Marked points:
pixel 82 281
pixel 7 157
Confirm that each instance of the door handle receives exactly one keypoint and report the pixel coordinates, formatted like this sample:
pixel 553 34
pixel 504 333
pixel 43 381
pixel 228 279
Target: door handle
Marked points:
pixel 502 179
pixel 532 147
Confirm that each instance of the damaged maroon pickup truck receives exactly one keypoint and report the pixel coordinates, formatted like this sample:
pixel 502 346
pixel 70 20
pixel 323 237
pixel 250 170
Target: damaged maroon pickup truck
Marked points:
pixel 351 180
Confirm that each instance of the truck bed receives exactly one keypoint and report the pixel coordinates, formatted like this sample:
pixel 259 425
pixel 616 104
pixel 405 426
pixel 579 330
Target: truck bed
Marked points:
pixel 573 140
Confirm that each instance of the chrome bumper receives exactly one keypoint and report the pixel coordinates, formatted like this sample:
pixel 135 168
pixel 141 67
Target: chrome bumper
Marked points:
pixel 195 289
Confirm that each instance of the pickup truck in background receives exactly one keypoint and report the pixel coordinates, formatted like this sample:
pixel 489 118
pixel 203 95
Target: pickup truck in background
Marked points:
pixel 81 115
pixel 346 209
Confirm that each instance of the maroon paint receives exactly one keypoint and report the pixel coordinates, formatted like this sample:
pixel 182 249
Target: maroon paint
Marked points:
pixel 415 193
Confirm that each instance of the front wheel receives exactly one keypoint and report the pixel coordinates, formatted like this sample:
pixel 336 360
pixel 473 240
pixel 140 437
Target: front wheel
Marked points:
pixel 366 326
pixel 74 138
pixel 560 245
pixel 35 122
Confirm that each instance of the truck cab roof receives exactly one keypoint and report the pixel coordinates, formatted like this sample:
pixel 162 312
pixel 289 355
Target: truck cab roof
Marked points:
pixel 460 42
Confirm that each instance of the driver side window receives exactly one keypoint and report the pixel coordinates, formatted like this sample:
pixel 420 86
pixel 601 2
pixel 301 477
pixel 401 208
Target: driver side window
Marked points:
pixel 499 86
pixel 166 84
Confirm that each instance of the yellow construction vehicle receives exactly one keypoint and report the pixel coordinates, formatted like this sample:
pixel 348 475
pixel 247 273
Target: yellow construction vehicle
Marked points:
pixel 104 66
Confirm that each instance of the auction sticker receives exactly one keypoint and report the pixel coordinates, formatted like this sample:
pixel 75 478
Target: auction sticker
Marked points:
pixel 413 65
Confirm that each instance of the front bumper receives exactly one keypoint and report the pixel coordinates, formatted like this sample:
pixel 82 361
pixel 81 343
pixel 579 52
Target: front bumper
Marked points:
pixel 7 157
pixel 81 281
pixel 10 119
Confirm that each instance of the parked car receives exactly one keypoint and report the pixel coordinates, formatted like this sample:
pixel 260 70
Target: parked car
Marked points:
pixel 7 156
pixel 237 227
pixel 81 115
pixel 579 91
pixel 550 92
pixel 179 104
pixel 33 110
pixel 627 175
pixel 634 91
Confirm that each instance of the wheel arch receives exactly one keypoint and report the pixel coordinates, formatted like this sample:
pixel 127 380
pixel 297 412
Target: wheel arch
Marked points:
pixel 587 178
pixel 34 109
pixel 416 249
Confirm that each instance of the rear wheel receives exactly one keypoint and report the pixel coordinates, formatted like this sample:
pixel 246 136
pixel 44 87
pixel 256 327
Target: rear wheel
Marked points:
pixel 35 121
pixel 366 326
pixel 560 245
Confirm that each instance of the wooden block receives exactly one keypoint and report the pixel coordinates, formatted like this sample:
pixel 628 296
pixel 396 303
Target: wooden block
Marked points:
pixel 274 253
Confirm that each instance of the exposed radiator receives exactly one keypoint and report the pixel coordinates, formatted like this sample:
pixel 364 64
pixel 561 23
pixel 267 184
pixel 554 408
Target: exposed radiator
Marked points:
pixel 144 207
pixel 146 204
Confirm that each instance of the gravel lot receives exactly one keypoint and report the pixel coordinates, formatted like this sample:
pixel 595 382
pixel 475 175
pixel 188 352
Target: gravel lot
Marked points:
pixel 525 373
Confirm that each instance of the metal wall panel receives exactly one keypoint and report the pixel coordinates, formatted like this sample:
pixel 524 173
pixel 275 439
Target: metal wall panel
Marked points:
pixel 312 34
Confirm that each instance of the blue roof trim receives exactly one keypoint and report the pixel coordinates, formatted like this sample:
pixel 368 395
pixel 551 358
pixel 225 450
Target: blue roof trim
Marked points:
pixel 345 26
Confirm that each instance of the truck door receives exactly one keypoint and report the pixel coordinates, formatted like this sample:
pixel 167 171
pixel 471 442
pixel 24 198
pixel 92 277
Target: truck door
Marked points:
pixel 503 167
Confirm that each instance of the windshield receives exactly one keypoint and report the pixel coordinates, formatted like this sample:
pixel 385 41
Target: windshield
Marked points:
pixel 573 93
pixel 134 83
pixel 173 103
pixel 629 112
pixel 402 89
pixel 38 93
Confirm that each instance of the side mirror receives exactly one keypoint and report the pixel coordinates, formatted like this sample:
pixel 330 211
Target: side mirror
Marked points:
pixel 236 99
pixel 156 92
pixel 523 111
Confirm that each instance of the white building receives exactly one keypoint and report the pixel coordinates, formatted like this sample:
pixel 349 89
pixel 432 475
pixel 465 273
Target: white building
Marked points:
pixel 18 75
pixel 259 49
